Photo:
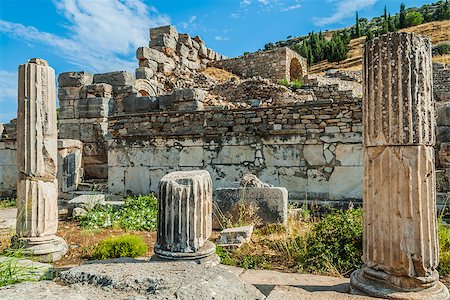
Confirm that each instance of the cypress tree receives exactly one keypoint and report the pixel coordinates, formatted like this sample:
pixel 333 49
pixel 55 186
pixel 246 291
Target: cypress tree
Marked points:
pixel 402 17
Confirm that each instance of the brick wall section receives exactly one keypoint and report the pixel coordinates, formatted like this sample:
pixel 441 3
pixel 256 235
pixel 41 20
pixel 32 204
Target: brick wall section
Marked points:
pixel 441 82
pixel 272 64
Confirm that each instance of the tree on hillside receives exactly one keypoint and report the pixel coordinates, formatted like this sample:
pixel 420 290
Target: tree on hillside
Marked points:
pixel 414 18
pixel 385 22
pixel 391 22
pixel 402 17
pixel 442 12
pixel 357 32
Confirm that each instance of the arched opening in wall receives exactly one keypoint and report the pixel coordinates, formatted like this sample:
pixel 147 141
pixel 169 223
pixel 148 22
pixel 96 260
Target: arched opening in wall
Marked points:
pixel 295 70
pixel 144 93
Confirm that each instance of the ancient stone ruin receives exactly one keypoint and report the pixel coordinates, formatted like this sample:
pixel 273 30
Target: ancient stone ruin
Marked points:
pixel 37 186
pixel 400 244
pixel 185 216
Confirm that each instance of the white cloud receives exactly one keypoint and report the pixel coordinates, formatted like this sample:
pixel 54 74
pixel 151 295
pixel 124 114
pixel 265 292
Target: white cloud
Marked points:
pixel 102 34
pixel 221 38
pixel 344 9
pixel 291 7
pixel 246 2
pixel 189 24
pixel 265 2
pixel 8 85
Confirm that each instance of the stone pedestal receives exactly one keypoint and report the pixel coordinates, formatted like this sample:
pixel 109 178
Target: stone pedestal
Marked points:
pixel 37 186
pixel 400 247
pixel 185 216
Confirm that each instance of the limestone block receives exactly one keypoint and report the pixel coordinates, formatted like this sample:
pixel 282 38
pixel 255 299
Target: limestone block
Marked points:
pixel 168 30
pixel 191 157
pixel 313 155
pixel 88 201
pixel 234 155
pixel 185 39
pixel 144 73
pixel 70 171
pixel 185 62
pixel 294 180
pixel 96 171
pixel 346 183
pixel 272 202
pixel 167 67
pixel 401 112
pixel 146 63
pixel 443 115
pixel 182 50
pixel 195 44
pixel 202 51
pixel 190 105
pixel 68 93
pixel 137 180
pixel 235 237
pixel 189 94
pixel 163 40
pixel 349 154
pixel 101 90
pixel 94 107
pixel 69 130
pixel 151 55
pixel 211 54
pixel 166 102
pixel 37 210
pixel 74 79
pixel 133 104
pixel 282 155
pixel 118 78
pixel 116 179
pixel 1 130
pixel 8 179
pixel 184 211
pixel 444 155
pixel 317 184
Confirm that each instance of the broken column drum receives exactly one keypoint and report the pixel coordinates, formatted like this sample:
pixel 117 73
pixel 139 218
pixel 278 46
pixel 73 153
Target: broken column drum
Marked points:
pixel 400 246
pixel 185 215
pixel 37 186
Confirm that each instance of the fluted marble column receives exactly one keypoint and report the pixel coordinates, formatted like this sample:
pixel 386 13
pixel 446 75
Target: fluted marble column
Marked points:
pixel 400 247
pixel 37 186
pixel 185 215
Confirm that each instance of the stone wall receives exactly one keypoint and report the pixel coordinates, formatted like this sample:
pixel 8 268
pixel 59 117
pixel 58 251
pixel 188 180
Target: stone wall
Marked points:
pixel 8 167
pixel 314 150
pixel 441 82
pixel 281 63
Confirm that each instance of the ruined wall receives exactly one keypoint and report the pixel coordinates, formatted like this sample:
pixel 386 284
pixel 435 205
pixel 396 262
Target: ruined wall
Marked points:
pixel 8 167
pixel 441 82
pixel 314 150
pixel 274 64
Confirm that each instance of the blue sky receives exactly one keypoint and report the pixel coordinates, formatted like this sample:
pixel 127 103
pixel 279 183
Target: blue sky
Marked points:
pixel 102 35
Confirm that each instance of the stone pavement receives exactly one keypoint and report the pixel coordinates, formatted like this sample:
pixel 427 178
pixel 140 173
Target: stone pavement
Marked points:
pixel 8 218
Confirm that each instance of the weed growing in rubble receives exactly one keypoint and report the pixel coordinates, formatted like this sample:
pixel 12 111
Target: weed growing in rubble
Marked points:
pixel 137 213
pixel 293 85
pixel 122 246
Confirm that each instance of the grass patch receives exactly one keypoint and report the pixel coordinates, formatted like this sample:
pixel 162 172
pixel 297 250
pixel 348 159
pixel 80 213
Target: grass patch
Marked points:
pixel 13 271
pixel 138 213
pixel 8 202
pixel 293 85
pixel 122 246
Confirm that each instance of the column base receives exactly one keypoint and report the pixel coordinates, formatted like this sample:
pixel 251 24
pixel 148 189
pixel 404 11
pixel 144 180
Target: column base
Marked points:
pixel 44 249
pixel 361 284
pixel 208 250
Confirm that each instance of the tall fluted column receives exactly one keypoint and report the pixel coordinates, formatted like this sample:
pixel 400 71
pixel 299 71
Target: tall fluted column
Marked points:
pixel 185 215
pixel 400 247
pixel 37 186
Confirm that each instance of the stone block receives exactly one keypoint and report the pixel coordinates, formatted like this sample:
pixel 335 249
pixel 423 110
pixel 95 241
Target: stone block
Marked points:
pixel 163 40
pixel 313 155
pixel 70 170
pixel 317 184
pixel 235 237
pixel 166 102
pixel 182 50
pixel 146 63
pixel 190 105
pixel 282 155
pixel 133 104
pixel 68 93
pixel 168 30
pixel 185 39
pixel 346 183
pixel 349 154
pixel 96 171
pixel 444 155
pixel 69 130
pixel 189 94
pixel 88 201
pixel 272 202
pixel 98 90
pixel 74 79
pixel 137 180
pixel 443 115
pixel 144 73
pixel 116 179
pixel 191 157
pixel 151 54
pixel 119 78
pixel 94 107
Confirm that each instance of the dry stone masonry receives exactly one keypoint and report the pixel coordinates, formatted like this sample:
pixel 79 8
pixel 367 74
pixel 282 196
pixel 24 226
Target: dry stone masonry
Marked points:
pixel 37 186
pixel 185 216
pixel 400 247
pixel 281 63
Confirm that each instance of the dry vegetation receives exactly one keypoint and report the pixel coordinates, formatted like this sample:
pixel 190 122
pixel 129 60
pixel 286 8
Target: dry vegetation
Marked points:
pixel 438 32
pixel 217 74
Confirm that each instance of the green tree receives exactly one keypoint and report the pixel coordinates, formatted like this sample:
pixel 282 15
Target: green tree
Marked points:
pixel 391 26
pixel 369 35
pixel 385 22
pixel 414 18
pixel 357 32
pixel 402 17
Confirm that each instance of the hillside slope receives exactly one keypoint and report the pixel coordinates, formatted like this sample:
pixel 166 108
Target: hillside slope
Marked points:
pixel 438 32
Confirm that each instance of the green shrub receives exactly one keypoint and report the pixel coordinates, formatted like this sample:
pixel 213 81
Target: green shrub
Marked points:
pixel 441 49
pixel 334 244
pixel 137 213
pixel 225 256
pixel 293 85
pixel 8 202
pixel 122 246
